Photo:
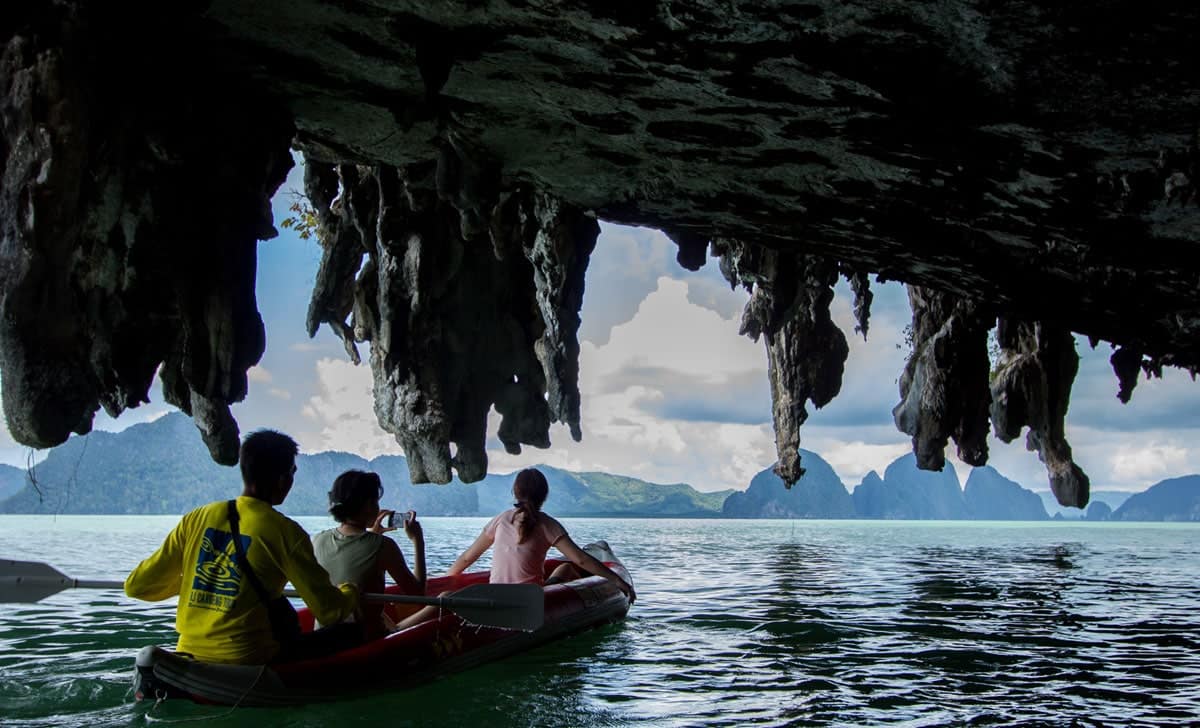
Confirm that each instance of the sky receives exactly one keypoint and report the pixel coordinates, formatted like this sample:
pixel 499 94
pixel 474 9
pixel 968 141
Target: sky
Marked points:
pixel 672 394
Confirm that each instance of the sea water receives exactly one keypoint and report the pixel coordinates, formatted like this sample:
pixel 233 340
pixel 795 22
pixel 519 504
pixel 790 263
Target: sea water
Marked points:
pixel 737 623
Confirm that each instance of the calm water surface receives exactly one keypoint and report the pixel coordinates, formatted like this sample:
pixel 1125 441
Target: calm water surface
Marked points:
pixel 737 623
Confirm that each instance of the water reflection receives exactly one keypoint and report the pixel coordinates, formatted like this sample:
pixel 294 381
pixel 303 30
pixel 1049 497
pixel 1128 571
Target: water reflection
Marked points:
pixel 738 623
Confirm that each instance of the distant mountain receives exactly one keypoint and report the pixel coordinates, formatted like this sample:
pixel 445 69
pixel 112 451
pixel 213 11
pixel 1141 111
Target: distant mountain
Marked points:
pixel 1111 498
pixel 619 495
pixel 162 467
pixel 1177 499
pixel 819 493
pixel 906 492
pixel 11 480
pixel 989 496
pixel 157 467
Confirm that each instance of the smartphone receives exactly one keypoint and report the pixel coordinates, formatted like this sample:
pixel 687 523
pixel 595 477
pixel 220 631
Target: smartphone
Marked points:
pixel 405 517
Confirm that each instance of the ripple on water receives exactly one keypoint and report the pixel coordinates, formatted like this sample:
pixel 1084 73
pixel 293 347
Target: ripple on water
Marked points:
pixel 738 623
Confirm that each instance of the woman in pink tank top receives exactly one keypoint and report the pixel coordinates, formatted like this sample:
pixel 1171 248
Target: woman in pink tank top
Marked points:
pixel 521 536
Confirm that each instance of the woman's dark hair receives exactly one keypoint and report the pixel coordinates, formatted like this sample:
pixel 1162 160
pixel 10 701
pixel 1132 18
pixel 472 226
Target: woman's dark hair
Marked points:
pixel 351 491
pixel 530 489
pixel 266 456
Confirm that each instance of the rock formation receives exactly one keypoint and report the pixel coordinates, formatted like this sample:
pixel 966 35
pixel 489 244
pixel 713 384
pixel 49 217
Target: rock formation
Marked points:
pixel 908 493
pixel 819 493
pixel 1033 161
pixel 990 496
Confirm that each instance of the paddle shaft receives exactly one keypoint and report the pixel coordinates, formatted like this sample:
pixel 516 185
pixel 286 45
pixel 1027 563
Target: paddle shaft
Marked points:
pixel 509 606
pixel 447 602
pixel 69 583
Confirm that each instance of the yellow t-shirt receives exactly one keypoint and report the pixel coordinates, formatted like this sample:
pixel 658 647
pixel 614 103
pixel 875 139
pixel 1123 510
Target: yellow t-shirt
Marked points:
pixel 220 617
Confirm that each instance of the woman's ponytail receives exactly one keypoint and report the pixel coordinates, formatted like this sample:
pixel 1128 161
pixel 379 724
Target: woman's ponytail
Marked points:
pixel 530 489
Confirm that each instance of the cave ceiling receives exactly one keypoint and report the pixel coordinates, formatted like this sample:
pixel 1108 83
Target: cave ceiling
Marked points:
pixel 1027 168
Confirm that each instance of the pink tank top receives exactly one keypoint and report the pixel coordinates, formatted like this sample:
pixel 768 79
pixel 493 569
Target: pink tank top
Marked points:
pixel 514 563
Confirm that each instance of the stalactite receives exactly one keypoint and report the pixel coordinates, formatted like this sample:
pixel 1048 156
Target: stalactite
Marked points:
pixel 1032 388
pixel 944 388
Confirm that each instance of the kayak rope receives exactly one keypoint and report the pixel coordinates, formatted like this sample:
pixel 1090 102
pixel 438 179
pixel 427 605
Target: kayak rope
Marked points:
pixel 162 697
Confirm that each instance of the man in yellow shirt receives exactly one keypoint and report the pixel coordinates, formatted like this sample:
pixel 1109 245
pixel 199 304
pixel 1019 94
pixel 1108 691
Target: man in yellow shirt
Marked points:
pixel 221 617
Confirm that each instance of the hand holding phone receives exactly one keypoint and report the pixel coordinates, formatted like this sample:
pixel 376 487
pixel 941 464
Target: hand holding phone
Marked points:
pixel 412 528
pixel 406 518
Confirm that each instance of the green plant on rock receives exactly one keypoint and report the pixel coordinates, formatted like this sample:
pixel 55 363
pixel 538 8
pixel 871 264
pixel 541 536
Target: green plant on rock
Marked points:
pixel 305 221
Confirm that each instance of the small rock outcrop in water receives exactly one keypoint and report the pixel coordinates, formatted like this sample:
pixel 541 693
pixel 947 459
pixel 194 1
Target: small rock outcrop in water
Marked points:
pixel 1032 161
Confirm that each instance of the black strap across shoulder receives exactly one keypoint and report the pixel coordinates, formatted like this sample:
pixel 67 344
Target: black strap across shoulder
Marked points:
pixel 243 562
pixel 285 624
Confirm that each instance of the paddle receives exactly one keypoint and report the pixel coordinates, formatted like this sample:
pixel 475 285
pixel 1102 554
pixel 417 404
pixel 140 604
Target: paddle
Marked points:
pixel 512 606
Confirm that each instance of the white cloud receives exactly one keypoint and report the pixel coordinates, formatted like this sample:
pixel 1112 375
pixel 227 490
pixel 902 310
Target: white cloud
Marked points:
pixel 669 335
pixel 279 393
pixel 259 375
pixel 343 412
pixel 670 332
pixel 1151 461
pixel 853 460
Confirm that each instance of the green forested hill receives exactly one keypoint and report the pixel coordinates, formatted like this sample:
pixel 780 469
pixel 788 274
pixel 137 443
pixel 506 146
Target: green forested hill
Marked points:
pixel 621 495
pixel 163 467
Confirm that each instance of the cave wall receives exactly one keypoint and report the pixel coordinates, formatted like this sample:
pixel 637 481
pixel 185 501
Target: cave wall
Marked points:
pixel 134 195
pixel 1031 163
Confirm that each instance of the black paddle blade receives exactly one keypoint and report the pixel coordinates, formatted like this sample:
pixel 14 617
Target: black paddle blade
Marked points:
pixel 30 581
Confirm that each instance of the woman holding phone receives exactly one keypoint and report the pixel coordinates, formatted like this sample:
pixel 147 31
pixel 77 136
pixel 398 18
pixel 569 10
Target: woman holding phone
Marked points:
pixel 356 551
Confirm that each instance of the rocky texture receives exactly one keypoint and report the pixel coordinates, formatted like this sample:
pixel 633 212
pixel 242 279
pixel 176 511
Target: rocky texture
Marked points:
pixel 461 317
pixel 806 352
pixel 944 388
pixel 1034 160
pixel 129 220
pixel 1032 387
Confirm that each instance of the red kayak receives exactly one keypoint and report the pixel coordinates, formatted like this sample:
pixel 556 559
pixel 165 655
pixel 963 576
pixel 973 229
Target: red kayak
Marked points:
pixel 401 659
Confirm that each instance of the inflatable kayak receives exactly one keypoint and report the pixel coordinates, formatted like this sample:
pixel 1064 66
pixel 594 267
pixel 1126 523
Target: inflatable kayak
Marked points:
pixel 401 659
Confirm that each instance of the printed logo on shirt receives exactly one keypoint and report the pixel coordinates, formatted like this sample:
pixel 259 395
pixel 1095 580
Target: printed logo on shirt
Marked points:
pixel 218 578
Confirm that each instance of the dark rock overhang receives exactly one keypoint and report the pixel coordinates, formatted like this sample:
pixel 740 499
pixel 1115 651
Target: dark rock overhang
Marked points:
pixel 1030 165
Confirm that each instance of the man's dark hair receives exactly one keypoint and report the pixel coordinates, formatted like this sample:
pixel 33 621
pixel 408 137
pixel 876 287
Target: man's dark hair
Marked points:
pixel 266 456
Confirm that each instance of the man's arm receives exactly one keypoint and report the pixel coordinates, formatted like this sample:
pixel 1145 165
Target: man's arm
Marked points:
pixel 159 576
pixel 329 604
